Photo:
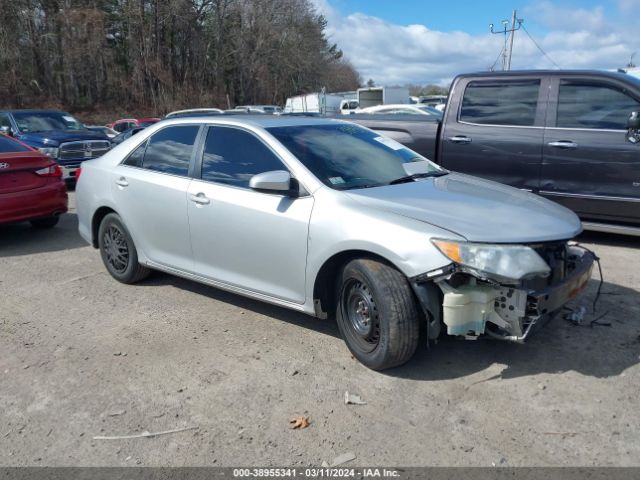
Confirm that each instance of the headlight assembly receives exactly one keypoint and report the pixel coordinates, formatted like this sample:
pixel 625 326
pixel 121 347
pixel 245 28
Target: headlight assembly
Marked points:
pixel 50 151
pixel 506 261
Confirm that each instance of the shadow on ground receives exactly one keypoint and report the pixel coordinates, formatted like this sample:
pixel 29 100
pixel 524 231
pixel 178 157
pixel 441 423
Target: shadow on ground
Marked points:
pixel 598 350
pixel 22 239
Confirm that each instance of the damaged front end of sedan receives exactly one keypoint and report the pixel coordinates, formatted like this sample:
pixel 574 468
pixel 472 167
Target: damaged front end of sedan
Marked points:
pixel 502 291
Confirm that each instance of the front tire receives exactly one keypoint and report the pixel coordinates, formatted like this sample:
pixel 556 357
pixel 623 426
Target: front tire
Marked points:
pixel 377 314
pixel 118 251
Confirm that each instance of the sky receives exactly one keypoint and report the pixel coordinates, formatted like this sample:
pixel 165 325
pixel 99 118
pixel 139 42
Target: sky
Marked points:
pixel 397 42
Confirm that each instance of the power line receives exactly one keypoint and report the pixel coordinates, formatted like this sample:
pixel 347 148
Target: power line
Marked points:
pixel 539 47
pixel 491 68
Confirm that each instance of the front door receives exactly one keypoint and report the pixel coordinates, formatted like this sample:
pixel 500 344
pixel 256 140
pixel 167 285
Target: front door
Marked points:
pixel 588 164
pixel 250 240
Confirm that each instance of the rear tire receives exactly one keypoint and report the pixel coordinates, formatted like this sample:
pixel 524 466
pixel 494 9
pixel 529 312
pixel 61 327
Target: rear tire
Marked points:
pixel 377 314
pixel 118 251
pixel 48 222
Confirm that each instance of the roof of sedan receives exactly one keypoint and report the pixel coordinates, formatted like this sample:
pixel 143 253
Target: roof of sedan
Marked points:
pixel 264 121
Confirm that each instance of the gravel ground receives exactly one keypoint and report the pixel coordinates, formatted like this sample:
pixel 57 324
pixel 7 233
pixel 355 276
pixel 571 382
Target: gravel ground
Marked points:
pixel 82 356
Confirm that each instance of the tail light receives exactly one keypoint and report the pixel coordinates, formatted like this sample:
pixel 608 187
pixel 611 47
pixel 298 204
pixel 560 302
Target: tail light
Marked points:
pixel 52 171
pixel 78 172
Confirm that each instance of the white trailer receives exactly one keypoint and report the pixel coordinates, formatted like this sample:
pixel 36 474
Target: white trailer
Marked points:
pixel 372 96
pixel 314 102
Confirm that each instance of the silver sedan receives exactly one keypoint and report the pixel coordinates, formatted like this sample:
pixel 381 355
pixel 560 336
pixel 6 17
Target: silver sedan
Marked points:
pixel 334 220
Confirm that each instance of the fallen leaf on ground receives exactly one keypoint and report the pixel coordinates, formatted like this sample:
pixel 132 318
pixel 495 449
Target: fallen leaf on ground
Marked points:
pixel 299 422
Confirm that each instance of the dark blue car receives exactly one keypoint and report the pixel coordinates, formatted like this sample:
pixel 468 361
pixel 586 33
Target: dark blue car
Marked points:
pixel 56 134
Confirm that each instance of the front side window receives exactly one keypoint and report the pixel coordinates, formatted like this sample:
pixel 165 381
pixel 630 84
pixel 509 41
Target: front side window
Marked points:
pixel 593 105
pixel 232 156
pixel 5 121
pixel 501 103
pixel 169 150
pixel 345 156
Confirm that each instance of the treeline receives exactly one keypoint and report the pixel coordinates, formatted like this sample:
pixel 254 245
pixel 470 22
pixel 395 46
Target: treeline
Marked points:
pixel 159 55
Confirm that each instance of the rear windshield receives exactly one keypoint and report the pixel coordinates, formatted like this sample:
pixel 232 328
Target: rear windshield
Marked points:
pixel 346 156
pixel 9 146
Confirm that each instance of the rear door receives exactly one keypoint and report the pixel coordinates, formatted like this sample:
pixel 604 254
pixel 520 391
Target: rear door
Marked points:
pixel 494 129
pixel 150 190
pixel 588 164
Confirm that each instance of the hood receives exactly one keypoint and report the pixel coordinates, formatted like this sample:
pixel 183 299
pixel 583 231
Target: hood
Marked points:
pixel 478 210
pixel 53 138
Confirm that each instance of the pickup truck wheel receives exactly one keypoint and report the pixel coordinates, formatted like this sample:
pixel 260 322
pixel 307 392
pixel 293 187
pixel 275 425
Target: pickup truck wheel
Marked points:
pixel 118 252
pixel 377 314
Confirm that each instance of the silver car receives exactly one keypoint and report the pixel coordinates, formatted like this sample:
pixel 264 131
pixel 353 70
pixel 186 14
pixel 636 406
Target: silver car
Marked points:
pixel 330 218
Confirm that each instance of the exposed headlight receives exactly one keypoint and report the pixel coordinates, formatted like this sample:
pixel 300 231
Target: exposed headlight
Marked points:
pixel 51 151
pixel 506 261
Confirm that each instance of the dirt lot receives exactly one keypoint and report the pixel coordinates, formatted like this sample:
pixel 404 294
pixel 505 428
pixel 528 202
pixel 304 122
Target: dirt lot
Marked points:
pixel 82 356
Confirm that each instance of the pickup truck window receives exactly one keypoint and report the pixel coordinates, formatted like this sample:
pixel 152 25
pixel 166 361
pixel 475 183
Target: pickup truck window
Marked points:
pixel 500 102
pixel 593 105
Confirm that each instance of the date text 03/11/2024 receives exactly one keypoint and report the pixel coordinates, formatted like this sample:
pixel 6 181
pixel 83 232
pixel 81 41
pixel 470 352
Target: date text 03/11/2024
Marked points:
pixel 320 472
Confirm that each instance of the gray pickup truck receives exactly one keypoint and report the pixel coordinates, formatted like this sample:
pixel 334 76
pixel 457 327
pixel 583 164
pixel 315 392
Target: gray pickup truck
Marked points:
pixel 570 136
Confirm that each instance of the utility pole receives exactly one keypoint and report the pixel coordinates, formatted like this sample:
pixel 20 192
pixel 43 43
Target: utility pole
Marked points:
pixel 508 33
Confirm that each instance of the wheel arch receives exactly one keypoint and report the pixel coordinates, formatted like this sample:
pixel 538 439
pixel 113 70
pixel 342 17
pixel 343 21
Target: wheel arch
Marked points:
pixel 96 220
pixel 324 299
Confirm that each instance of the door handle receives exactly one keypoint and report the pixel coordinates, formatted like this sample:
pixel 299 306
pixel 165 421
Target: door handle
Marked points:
pixel 460 139
pixel 563 144
pixel 122 182
pixel 200 199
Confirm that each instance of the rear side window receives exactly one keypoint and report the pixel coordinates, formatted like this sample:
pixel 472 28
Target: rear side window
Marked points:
pixel 232 156
pixel 169 150
pixel 136 157
pixel 8 146
pixel 501 103
pixel 593 105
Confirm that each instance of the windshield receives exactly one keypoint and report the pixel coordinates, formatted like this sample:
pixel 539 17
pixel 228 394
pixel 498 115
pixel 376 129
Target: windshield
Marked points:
pixel 347 156
pixel 9 146
pixel 45 121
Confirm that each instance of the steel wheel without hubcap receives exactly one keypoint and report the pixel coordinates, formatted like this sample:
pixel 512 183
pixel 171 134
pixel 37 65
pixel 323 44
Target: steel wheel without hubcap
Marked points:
pixel 359 307
pixel 116 248
pixel 377 313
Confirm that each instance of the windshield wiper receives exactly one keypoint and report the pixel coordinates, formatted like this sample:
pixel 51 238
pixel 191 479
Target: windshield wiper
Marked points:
pixel 410 178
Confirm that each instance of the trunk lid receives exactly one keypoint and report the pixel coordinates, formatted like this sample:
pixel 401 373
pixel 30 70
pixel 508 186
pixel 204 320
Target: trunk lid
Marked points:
pixel 18 171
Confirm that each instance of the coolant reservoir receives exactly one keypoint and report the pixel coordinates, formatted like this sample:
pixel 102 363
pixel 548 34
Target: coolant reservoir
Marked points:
pixel 467 308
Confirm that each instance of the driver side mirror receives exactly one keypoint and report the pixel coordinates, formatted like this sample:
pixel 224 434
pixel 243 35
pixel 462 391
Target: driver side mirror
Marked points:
pixel 633 125
pixel 6 130
pixel 275 181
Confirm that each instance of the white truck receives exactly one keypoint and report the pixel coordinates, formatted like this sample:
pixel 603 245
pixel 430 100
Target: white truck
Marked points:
pixel 346 102
pixel 372 96
pixel 325 103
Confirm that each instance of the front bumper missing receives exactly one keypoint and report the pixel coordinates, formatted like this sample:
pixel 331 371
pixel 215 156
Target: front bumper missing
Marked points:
pixel 510 312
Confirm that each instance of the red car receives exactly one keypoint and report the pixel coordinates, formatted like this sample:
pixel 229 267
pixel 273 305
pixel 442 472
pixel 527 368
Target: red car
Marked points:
pixel 31 185
pixel 125 124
